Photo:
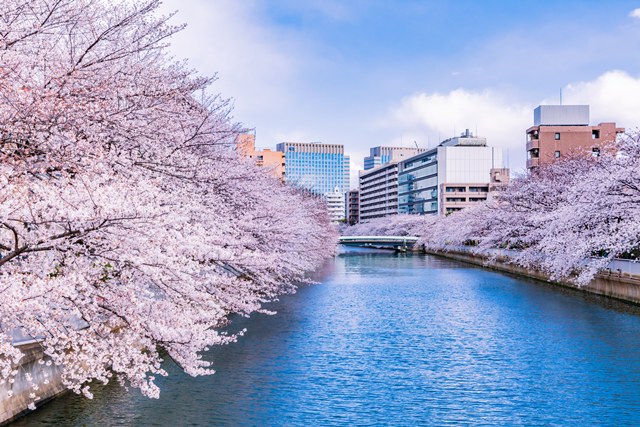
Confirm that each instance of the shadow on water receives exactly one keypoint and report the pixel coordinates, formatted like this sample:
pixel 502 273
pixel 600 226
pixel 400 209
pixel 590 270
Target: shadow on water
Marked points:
pixel 400 339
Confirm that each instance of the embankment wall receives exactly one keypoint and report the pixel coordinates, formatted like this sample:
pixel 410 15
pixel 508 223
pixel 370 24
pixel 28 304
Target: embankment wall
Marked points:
pixel 619 285
pixel 14 397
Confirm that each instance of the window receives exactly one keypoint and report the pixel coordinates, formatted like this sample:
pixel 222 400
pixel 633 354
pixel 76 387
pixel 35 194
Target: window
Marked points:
pixel 595 134
pixel 556 154
pixel 557 136
pixel 595 152
pixel 454 189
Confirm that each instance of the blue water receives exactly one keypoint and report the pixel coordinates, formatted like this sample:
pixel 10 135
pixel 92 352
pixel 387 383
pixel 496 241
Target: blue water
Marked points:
pixel 401 340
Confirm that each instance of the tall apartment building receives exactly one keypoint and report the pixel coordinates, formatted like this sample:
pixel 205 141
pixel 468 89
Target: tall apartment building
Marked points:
pixel 379 191
pixel 273 161
pixel 381 155
pixel 316 167
pixel 353 207
pixel 455 174
pixel 559 130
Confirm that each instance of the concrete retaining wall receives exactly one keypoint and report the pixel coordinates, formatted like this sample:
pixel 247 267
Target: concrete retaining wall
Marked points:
pixel 46 377
pixel 614 284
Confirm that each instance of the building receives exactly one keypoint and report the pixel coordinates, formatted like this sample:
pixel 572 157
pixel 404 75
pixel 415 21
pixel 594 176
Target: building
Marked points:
pixel 318 168
pixel 381 155
pixel 270 160
pixel 448 178
pixel 336 205
pixel 559 130
pixel 379 191
pixel 353 207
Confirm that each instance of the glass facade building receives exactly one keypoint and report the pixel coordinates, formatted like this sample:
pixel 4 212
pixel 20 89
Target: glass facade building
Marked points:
pixel 319 168
pixel 418 184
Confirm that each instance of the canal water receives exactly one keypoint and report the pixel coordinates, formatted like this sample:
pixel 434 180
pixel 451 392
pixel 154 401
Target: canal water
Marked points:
pixel 401 340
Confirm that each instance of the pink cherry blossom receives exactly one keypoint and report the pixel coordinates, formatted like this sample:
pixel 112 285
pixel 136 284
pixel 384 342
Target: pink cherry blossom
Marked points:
pixel 129 226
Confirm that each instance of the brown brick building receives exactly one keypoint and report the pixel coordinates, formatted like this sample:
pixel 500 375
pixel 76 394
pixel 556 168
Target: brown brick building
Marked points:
pixel 560 130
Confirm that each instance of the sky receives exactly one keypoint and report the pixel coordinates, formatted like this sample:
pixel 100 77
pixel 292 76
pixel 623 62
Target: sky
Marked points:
pixel 364 73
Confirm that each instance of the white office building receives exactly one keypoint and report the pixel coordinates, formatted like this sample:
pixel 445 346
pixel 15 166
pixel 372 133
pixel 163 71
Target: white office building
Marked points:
pixel 336 205
pixel 448 178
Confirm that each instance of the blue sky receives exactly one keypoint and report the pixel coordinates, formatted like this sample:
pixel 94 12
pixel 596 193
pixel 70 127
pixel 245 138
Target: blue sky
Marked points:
pixel 365 73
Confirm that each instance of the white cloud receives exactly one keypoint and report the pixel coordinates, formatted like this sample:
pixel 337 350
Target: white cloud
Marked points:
pixel 635 13
pixel 255 63
pixel 613 96
pixel 502 123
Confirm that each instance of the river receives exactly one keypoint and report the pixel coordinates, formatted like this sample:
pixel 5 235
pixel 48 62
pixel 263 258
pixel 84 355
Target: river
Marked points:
pixel 400 340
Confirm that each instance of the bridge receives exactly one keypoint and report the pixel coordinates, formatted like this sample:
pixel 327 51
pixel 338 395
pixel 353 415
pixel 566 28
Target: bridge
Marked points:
pixel 399 243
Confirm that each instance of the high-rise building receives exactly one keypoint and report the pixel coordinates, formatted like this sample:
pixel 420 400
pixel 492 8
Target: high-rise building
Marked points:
pixel 353 206
pixel 379 191
pixel 455 174
pixel 318 168
pixel 560 130
pixel 273 161
pixel 381 155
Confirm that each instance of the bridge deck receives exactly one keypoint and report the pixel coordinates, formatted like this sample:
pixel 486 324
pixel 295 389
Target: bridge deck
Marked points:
pixel 395 241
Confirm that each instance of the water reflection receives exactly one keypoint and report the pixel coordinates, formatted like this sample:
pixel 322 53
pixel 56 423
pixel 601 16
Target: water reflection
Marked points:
pixel 397 339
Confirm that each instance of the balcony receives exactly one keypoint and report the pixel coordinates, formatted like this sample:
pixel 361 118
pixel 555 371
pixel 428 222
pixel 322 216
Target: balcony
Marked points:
pixel 534 143
pixel 533 163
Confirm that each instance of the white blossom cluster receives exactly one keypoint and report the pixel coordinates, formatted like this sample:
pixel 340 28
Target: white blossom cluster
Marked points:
pixel 123 203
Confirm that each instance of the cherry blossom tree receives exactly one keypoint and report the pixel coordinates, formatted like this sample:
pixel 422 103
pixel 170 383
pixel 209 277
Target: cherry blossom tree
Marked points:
pixel 394 225
pixel 542 216
pixel 597 220
pixel 124 207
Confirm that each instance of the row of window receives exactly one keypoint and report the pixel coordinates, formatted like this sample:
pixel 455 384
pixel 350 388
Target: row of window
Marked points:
pixel 464 199
pixel 535 153
pixel 464 189
pixel 595 134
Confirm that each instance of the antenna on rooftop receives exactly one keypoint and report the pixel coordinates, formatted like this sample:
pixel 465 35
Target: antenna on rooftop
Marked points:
pixel 560 96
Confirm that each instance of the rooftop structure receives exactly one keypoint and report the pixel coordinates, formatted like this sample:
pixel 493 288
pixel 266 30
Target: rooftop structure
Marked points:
pixel 561 115
pixel 381 155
